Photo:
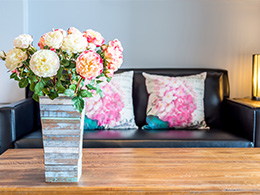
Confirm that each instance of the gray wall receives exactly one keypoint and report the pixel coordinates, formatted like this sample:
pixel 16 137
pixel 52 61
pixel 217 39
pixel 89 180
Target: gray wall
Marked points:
pixel 11 25
pixel 161 33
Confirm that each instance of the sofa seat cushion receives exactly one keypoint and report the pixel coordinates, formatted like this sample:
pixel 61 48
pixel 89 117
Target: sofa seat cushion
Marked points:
pixel 147 139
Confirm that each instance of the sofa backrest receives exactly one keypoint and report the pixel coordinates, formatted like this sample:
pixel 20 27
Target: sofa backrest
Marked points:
pixel 216 89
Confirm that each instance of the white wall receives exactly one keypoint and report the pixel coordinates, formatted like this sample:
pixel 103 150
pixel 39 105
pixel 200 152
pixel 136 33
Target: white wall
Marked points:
pixel 12 24
pixel 165 33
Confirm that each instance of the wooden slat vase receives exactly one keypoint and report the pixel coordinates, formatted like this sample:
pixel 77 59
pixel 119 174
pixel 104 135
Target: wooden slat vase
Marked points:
pixel 62 130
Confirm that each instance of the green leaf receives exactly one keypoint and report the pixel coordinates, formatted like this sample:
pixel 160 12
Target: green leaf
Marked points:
pixel 64 77
pixel 36 97
pixel 13 75
pixel 101 75
pixel 73 87
pixel 99 81
pixel 46 91
pixel 32 86
pixel 65 62
pixel 101 53
pixel 59 73
pixel 52 95
pixel 38 87
pixel 72 65
pixel 45 80
pixel 99 91
pixel 45 47
pixel 76 56
pixel 109 79
pixel 32 78
pixel 91 87
pixel 85 93
pixel 23 83
pixel 153 122
pixel 60 87
pixel 16 78
pixel 78 103
pixel 69 92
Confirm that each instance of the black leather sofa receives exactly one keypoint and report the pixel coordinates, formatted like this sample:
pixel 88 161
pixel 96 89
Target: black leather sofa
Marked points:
pixel 232 124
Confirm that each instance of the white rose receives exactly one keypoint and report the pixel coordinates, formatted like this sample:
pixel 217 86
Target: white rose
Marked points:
pixel 23 41
pixel 45 63
pixel 74 43
pixel 54 39
pixel 14 58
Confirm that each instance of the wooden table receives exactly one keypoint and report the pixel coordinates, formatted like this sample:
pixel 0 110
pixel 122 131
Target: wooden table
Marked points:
pixel 138 171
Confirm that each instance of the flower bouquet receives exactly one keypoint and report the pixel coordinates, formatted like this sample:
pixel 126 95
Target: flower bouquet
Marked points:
pixel 70 63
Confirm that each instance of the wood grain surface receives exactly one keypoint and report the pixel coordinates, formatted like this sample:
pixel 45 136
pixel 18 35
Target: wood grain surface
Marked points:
pixel 139 171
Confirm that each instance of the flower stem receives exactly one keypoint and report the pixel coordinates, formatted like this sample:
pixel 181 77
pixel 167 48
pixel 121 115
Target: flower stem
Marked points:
pixel 26 66
pixel 76 91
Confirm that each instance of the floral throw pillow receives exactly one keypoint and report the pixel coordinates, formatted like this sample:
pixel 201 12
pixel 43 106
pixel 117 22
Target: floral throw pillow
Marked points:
pixel 115 109
pixel 175 102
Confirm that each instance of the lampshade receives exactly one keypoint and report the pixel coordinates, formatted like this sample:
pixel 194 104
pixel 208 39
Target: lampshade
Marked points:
pixel 256 77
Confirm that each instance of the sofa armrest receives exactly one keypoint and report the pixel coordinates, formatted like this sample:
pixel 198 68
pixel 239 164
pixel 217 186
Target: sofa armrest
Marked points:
pixel 242 116
pixel 5 130
pixel 17 120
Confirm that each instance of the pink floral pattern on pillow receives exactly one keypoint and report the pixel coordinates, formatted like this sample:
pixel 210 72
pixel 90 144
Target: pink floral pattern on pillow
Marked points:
pixel 177 101
pixel 115 109
pixel 175 105
pixel 106 110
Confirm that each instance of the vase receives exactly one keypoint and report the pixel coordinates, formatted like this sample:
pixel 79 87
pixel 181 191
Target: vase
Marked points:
pixel 62 130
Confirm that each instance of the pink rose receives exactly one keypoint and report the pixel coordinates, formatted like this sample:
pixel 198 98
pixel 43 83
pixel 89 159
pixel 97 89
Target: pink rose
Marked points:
pixel 113 55
pixel 89 64
pixel 94 37
pixel 73 30
pixel 42 43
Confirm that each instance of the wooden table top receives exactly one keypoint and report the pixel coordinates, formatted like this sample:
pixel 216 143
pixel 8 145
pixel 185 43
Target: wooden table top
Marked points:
pixel 138 171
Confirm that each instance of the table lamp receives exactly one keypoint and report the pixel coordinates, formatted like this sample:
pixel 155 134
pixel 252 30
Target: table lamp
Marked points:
pixel 256 77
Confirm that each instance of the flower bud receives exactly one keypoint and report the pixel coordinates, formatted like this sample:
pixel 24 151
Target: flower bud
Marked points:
pixel 104 47
pixel 2 55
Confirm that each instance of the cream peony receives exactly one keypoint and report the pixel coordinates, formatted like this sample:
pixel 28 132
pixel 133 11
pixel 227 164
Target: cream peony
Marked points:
pixel 89 64
pixel 63 32
pixel 14 58
pixel 113 55
pixel 94 37
pixel 45 63
pixel 74 43
pixel 54 39
pixel 23 41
